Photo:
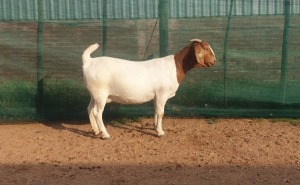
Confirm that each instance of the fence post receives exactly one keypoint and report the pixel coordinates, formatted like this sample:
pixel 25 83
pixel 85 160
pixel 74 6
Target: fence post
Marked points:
pixel 104 31
pixel 163 14
pixel 284 54
pixel 225 52
pixel 40 72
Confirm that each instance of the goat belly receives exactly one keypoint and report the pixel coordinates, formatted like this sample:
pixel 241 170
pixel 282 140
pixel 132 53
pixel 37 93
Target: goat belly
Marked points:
pixel 129 100
pixel 130 95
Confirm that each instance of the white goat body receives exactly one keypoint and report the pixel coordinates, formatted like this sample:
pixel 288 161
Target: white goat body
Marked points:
pixel 127 82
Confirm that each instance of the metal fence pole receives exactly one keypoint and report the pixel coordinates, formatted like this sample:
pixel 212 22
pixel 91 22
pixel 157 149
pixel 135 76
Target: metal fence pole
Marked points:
pixel 225 52
pixel 163 27
pixel 104 34
pixel 284 54
pixel 40 72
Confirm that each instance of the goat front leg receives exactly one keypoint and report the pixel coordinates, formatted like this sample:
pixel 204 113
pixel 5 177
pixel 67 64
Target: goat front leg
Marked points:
pixel 98 111
pixel 159 114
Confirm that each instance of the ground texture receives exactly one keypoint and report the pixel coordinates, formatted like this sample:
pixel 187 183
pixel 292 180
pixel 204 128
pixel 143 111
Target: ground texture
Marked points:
pixel 194 151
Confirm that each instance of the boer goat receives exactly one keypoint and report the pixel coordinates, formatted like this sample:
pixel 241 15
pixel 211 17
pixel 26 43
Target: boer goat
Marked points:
pixel 127 82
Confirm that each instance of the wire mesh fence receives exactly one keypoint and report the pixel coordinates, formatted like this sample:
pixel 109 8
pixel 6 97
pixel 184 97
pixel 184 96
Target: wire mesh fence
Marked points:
pixel 256 43
pixel 139 9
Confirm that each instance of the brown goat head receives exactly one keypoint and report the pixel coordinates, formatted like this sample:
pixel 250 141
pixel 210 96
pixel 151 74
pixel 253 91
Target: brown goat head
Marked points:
pixel 196 55
pixel 204 54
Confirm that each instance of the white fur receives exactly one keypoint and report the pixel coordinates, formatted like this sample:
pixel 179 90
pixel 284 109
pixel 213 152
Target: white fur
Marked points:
pixel 127 82
pixel 195 40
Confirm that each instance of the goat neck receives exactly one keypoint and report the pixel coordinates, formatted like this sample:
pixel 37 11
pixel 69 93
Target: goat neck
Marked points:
pixel 185 60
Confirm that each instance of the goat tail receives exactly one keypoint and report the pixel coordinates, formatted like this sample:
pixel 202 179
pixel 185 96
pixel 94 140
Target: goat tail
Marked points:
pixel 86 56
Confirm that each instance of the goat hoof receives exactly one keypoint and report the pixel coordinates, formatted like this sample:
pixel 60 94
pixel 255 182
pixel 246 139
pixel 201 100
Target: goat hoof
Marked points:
pixel 161 135
pixel 105 137
pixel 96 133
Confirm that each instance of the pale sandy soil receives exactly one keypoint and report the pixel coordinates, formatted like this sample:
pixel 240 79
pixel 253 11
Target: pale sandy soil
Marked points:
pixel 194 151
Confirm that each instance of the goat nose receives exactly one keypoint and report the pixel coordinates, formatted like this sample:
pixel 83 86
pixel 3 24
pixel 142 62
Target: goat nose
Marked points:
pixel 212 63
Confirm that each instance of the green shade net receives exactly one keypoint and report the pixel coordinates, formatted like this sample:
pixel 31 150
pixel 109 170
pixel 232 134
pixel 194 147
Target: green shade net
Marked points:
pixel 256 74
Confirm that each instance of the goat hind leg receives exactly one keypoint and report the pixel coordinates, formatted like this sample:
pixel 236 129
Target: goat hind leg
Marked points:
pixel 98 111
pixel 93 122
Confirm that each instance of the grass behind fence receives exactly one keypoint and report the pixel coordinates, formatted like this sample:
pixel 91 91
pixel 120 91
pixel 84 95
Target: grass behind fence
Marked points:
pixel 68 99
pixel 17 100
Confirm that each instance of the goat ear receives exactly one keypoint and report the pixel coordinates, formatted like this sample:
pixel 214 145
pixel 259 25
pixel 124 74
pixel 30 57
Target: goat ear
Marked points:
pixel 198 53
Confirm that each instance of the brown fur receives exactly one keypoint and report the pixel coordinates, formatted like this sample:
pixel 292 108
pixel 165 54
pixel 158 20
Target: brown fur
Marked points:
pixel 188 58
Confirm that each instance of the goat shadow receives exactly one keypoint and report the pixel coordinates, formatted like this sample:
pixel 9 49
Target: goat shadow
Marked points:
pixel 127 124
pixel 113 116
pixel 143 128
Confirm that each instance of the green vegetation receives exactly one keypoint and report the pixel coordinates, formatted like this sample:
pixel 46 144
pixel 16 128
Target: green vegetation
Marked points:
pixel 68 99
pixel 295 122
pixel 65 99
pixel 240 93
pixel 17 99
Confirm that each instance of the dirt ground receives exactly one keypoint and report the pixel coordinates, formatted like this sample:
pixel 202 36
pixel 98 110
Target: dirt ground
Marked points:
pixel 194 151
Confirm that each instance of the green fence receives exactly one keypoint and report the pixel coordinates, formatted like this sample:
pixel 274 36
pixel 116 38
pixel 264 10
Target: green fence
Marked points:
pixel 138 9
pixel 257 44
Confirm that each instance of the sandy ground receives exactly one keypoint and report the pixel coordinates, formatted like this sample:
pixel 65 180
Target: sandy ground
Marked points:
pixel 194 151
